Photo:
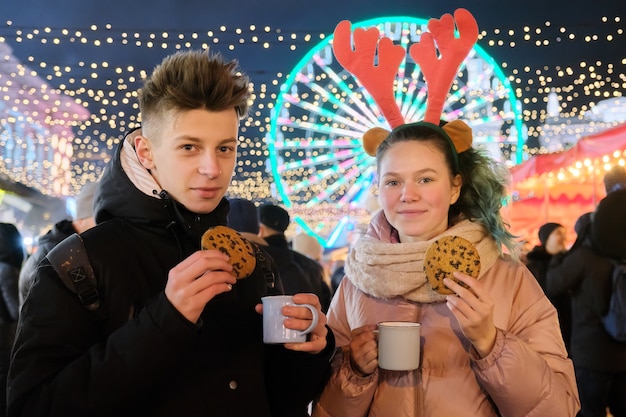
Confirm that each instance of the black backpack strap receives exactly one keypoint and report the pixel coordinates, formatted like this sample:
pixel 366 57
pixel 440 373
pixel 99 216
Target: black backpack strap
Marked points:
pixel 69 259
pixel 266 266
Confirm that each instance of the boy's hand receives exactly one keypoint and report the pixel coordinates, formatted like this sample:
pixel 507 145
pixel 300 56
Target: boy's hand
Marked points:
pixel 299 318
pixel 196 280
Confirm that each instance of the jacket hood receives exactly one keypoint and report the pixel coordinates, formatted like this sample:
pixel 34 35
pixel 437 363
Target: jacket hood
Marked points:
pixel 128 191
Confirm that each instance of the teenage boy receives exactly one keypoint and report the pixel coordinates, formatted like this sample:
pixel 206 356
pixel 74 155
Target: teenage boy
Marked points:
pixel 175 334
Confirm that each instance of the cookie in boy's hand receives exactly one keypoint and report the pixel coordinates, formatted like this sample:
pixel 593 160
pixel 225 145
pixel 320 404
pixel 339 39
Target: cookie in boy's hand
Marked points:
pixel 449 254
pixel 230 242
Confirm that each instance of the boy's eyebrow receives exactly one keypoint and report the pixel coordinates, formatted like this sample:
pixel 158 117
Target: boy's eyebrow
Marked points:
pixel 195 139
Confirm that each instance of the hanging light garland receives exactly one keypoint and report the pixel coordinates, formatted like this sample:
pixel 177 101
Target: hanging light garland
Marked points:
pixel 66 117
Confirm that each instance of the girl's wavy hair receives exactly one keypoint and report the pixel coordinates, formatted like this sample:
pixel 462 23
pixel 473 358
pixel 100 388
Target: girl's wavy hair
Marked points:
pixel 484 181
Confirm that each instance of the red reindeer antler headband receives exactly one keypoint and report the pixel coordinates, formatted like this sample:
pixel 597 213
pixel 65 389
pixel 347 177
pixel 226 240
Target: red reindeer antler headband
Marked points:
pixel 439 70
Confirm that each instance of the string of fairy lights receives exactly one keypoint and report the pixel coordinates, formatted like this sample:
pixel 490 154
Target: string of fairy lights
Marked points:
pixel 90 102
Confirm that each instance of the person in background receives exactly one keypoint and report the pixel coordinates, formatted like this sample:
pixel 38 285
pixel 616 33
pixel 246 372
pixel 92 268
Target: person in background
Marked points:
pixel 243 216
pixel 308 245
pixel 82 221
pixel 586 273
pixel 494 347
pixel 615 179
pixel 552 238
pixel 299 273
pixel 12 254
pixel 175 333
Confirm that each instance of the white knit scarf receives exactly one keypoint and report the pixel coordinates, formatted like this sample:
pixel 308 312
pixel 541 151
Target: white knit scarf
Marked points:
pixel 386 270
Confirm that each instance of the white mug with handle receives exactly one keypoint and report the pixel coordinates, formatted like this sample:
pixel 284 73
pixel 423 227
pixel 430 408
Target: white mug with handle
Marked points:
pixel 399 345
pixel 274 330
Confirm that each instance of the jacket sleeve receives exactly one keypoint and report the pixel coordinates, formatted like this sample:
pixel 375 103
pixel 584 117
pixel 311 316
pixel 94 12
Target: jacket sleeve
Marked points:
pixel 528 372
pixel 346 394
pixel 59 353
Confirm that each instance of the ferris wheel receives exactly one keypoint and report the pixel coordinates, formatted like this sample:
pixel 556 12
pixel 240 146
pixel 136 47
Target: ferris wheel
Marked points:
pixel 316 157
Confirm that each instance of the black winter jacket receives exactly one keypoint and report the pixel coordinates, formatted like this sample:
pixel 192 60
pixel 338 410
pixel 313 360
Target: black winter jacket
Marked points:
pixel 144 358
pixel 538 262
pixel 588 277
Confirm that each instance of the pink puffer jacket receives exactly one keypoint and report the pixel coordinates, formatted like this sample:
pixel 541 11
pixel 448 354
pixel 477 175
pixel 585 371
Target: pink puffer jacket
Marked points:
pixel 526 374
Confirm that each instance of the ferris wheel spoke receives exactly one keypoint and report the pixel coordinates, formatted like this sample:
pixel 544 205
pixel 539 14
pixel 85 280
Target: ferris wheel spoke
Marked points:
pixel 368 108
pixel 473 105
pixel 315 127
pixel 416 106
pixel 340 143
pixel 360 184
pixel 455 98
pixel 315 109
pixel 316 160
pixel 485 120
pixel 326 174
pixel 409 96
pixel 325 195
pixel 342 105
pixel 326 93
pixel 417 109
pixel 400 97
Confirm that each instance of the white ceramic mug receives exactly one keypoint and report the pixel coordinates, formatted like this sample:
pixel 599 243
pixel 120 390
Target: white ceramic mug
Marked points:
pixel 274 330
pixel 398 345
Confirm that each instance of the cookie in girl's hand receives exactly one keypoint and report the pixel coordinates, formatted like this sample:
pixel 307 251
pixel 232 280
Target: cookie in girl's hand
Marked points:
pixel 449 254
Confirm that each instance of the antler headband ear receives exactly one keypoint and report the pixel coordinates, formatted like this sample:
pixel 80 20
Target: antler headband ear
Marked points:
pixel 373 138
pixel 378 75
pixel 460 135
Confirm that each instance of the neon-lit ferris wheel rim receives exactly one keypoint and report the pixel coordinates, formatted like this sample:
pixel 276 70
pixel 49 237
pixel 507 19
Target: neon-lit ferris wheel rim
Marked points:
pixel 321 113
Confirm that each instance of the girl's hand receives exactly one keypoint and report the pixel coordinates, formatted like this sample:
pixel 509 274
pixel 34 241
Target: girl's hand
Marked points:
pixel 364 350
pixel 473 308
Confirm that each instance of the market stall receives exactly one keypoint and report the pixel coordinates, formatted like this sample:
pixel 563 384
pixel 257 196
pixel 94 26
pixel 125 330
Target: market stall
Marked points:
pixel 559 187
